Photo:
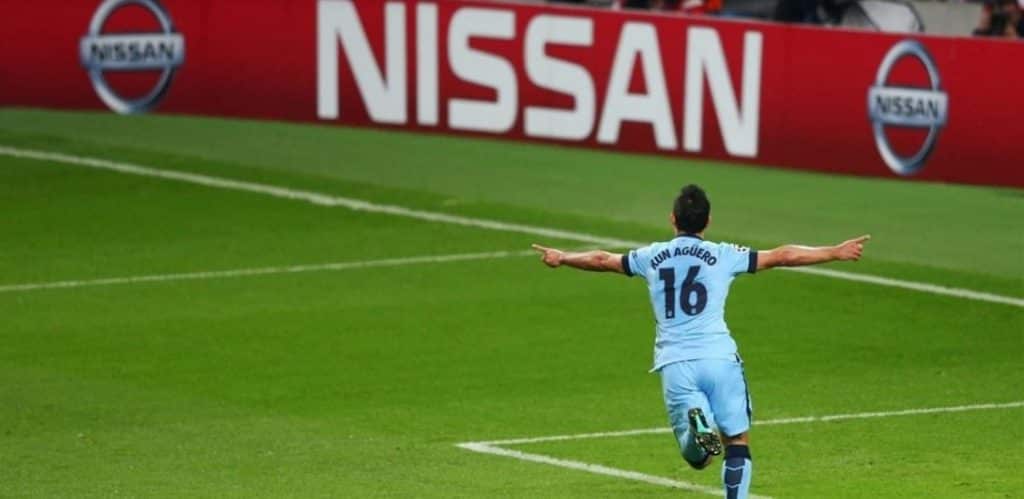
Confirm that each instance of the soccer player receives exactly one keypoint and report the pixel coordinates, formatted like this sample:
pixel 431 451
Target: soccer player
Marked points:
pixel 701 372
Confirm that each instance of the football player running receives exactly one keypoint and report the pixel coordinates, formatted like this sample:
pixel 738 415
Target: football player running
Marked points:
pixel 688 280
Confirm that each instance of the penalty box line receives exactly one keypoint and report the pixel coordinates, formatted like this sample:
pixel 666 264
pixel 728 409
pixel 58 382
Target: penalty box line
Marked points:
pixel 597 469
pixel 322 199
pixel 497 447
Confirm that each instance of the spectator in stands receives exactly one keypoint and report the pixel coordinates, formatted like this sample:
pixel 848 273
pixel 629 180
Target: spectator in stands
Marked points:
pixel 808 11
pixel 1000 18
pixel 684 6
pixel 797 11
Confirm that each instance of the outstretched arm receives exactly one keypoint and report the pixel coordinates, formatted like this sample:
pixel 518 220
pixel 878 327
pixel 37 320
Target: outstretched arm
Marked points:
pixel 594 261
pixel 798 256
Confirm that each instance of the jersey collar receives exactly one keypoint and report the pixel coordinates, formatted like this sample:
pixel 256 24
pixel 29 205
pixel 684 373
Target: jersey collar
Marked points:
pixel 695 236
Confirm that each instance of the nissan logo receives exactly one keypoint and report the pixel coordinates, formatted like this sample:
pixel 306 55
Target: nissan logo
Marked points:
pixel 909 107
pixel 162 51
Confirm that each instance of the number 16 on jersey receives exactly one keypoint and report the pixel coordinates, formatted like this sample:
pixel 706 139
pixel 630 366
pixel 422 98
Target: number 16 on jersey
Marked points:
pixel 691 305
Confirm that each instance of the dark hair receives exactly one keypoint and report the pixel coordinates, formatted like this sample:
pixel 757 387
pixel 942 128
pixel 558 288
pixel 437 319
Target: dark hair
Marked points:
pixel 692 208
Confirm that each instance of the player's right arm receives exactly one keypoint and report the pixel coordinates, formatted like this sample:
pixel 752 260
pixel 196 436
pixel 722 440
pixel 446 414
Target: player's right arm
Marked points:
pixel 792 255
pixel 594 261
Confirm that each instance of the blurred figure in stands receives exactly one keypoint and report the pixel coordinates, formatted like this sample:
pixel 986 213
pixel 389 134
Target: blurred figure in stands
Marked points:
pixel 808 11
pixel 1000 18
pixel 684 6
pixel 797 11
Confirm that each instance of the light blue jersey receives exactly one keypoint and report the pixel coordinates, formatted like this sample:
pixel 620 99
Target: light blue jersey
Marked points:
pixel 688 279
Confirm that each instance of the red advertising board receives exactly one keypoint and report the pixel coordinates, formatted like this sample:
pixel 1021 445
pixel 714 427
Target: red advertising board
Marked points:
pixel 915 107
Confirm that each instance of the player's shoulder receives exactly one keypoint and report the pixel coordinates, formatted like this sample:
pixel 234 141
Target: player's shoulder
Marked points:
pixel 640 260
pixel 731 247
pixel 727 251
pixel 653 247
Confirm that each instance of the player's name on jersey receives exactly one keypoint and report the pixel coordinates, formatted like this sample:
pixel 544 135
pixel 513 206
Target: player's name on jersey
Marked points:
pixel 695 251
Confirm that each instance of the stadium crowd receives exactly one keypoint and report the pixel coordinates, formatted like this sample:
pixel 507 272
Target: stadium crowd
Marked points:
pixel 999 18
pixel 791 11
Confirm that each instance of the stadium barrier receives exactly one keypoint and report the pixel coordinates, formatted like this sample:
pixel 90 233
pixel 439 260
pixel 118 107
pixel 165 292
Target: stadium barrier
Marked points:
pixel 917 107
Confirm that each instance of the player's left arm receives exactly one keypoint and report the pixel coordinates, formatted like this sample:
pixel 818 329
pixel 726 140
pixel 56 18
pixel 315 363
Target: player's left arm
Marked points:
pixel 792 255
pixel 594 261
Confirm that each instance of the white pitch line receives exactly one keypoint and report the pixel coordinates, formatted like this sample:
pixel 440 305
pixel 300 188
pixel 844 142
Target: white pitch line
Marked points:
pixel 889 414
pixel 292 269
pixel 594 468
pixel 308 196
pixel 493 447
pixel 767 422
pixel 916 286
pixel 363 205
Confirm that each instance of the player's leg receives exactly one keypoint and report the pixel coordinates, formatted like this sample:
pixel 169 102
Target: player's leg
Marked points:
pixel 727 392
pixel 737 467
pixel 681 398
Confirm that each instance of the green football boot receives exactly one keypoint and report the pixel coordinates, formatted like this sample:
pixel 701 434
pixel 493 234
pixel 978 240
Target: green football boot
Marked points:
pixel 705 437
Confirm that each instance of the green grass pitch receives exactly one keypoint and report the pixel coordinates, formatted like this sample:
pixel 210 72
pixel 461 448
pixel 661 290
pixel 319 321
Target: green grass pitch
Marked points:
pixel 359 382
